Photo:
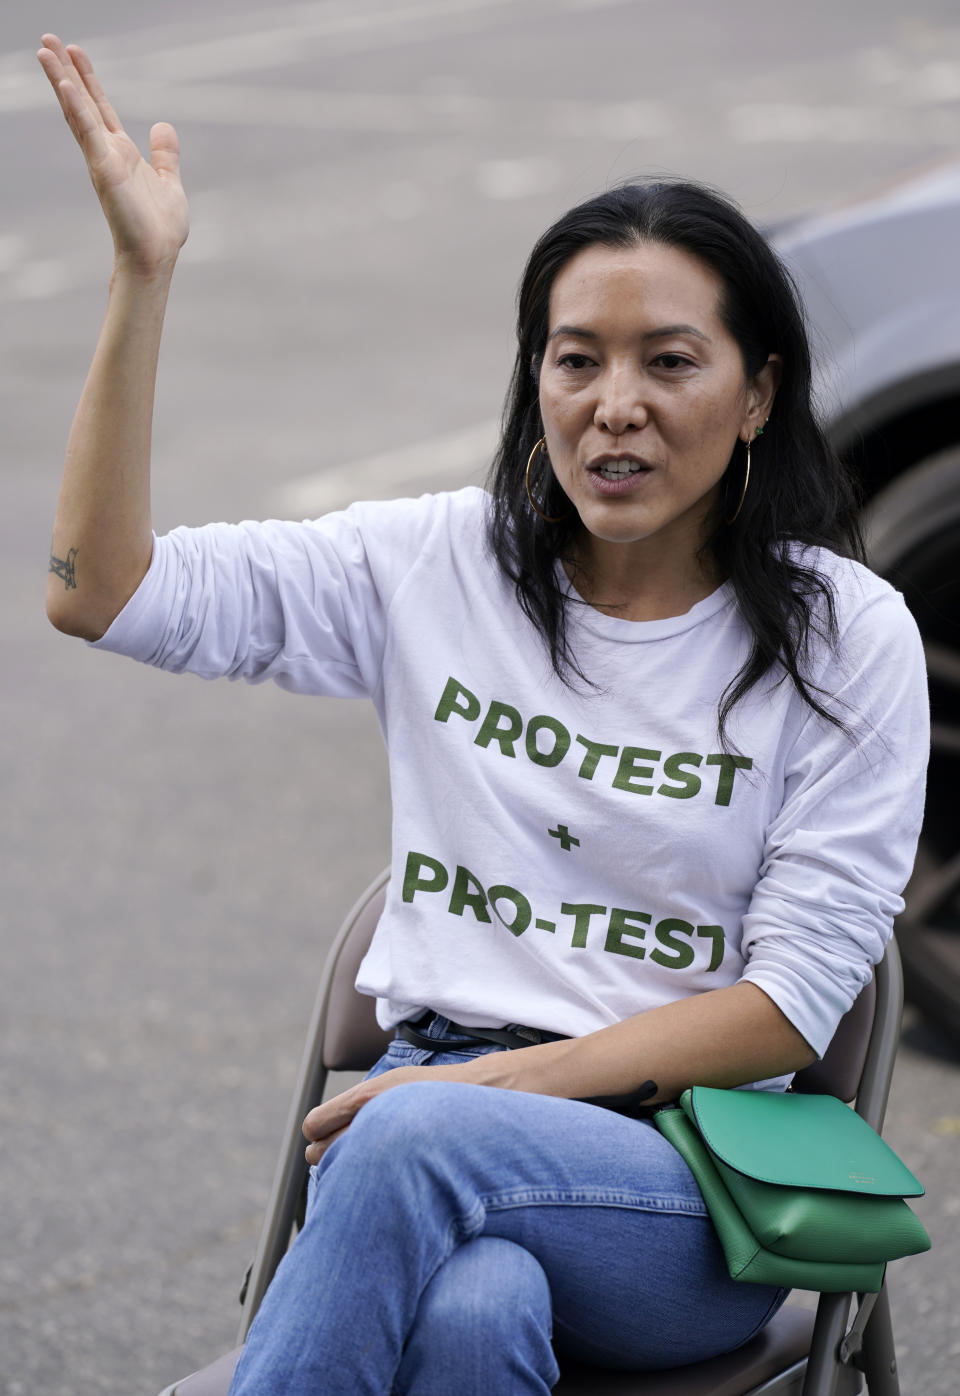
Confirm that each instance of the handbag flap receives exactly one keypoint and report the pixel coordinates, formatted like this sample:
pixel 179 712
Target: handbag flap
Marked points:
pixel 805 1141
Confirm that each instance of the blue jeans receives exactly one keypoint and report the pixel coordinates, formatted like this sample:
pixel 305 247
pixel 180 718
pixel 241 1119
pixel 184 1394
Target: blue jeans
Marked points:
pixel 455 1230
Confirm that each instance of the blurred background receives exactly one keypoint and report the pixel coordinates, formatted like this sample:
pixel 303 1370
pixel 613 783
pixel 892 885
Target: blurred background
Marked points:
pixel 366 179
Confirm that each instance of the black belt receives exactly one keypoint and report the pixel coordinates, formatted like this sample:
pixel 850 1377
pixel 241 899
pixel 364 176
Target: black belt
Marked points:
pixel 475 1037
pixel 632 1104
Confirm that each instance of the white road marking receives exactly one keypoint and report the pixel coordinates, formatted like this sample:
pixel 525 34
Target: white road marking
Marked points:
pixel 401 114
pixel 178 53
pixel 13 250
pixel 39 280
pixel 26 277
pixel 443 462
pixel 919 106
pixel 799 123
pixel 386 113
pixel 280 44
pixel 516 179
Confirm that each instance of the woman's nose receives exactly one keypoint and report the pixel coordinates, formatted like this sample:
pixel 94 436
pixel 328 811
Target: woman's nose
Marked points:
pixel 621 402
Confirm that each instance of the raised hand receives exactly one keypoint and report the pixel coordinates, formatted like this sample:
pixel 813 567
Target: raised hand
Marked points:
pixel 143 201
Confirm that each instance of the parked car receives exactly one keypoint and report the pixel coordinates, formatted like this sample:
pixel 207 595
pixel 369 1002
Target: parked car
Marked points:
pixel 881 283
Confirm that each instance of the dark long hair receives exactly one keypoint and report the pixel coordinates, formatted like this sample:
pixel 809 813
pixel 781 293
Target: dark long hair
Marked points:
pixel 798 494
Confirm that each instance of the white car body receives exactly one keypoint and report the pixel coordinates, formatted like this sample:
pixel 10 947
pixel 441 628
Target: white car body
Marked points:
pixel 881 283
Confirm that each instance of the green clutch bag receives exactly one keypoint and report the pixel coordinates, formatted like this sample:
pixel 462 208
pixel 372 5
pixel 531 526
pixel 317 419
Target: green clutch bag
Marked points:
pixel 802 1192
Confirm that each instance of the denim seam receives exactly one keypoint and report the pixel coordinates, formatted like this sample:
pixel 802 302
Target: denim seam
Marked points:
pixel 637 1202
pixel 444 1048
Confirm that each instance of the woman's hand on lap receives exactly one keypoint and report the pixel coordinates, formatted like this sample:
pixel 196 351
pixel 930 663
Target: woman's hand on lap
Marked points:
pixel 143 201
pixel 325 1123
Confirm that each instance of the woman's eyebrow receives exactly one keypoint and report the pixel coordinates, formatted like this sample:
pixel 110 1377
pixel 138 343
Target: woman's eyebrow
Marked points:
pixel 571 330
pixel 661 333
pixel 676 329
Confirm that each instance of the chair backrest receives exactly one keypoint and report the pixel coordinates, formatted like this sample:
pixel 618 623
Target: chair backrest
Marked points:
pixel 352 1037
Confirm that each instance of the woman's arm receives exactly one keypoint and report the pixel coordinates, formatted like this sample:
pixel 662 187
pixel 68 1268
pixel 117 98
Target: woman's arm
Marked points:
pixel 725 1037
pixel 102 534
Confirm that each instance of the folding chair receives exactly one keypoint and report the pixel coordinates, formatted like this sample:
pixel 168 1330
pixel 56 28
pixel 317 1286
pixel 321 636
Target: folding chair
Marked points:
pixel 797 1354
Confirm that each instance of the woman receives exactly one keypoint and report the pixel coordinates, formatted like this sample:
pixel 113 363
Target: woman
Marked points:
pixel 656 748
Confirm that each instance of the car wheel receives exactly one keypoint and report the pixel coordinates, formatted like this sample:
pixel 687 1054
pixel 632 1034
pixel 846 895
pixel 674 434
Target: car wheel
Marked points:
pixel 912 532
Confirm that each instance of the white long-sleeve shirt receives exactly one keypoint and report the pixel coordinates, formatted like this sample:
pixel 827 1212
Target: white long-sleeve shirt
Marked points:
pixel 568 856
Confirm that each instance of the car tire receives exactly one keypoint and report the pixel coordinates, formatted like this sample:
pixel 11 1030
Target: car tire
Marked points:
pixel 912 532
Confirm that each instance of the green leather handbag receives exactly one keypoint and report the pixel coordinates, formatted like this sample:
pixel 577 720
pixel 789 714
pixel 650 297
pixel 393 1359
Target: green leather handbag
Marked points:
pixel 802 1192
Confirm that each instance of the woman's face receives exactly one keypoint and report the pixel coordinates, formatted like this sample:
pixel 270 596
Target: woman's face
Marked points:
pixel 643 393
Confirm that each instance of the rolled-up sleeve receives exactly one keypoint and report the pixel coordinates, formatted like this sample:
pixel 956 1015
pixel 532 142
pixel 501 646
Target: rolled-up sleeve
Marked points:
pixel 841 848
pixel 304 604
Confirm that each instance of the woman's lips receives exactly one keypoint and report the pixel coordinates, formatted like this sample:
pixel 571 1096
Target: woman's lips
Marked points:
pixel 614 475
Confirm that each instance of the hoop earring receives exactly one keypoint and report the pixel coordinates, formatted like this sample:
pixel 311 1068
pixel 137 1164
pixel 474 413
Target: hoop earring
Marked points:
pixel 743 493
pixel 547 518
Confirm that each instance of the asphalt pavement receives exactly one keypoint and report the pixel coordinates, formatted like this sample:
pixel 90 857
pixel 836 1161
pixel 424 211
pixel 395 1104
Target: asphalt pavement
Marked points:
pixel 366 179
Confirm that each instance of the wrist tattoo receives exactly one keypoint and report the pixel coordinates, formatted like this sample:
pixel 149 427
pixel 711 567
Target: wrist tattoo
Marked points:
pixel 65 569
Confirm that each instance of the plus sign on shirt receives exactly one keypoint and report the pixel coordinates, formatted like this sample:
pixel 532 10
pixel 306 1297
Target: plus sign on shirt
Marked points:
pixel 567 840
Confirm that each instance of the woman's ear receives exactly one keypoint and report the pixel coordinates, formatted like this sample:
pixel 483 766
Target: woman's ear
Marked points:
pixel 761 392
